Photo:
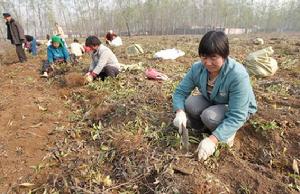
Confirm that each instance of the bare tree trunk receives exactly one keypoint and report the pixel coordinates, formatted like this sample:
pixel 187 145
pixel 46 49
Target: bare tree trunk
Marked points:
pixel 65 22
pixel 2 33
pixel 27 17
pixel 128 29
pixel 40 19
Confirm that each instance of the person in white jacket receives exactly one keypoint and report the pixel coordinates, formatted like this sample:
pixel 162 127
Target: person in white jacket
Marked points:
pixel 76 51
pixel 113 39
pixel 104 61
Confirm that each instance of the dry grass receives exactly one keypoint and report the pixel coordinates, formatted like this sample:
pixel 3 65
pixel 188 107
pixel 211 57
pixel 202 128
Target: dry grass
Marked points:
pixel 136 144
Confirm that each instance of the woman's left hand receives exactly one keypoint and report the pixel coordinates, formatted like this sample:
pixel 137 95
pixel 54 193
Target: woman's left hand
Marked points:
pixel 88 78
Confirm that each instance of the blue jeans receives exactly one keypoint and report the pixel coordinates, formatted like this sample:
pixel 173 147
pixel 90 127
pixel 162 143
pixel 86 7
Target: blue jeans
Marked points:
pixel 33 47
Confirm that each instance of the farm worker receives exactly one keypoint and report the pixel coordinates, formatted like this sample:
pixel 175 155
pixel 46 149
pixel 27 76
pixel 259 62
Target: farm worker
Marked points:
pixel 15 34
pixel 76 51
pixel 62 39
pixel 104 61
pixel 226 97
pixel 56 53
pixel 31 44
pixel 110 36
pixel 113 39
pixel 58 30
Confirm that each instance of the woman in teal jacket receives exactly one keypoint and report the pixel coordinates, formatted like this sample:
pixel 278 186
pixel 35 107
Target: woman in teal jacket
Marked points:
pixel 56 52
pixel 226 97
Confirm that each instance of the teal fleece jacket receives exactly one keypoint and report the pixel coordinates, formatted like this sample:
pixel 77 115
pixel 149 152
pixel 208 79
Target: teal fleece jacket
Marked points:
pixel 57 53
pixel 232 87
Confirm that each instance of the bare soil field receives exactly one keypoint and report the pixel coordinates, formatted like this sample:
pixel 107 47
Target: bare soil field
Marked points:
pixel 58 135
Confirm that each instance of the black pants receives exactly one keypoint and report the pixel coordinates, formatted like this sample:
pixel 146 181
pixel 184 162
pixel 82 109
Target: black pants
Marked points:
pixel 21 53
pixel 108 71
pixel 46 64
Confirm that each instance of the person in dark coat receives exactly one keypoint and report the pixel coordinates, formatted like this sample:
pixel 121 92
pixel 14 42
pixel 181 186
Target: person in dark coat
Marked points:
pixel 15 34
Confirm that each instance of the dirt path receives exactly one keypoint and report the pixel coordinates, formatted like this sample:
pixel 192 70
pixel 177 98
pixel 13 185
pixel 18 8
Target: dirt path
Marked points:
pixel 29 110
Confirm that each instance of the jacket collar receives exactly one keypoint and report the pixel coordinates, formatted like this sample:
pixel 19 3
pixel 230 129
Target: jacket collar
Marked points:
pixel 96 52
pixel 11 21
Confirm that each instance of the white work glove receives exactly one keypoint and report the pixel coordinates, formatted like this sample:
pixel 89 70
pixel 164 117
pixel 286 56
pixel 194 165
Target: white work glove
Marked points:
pixel 180 120
pixel 205 149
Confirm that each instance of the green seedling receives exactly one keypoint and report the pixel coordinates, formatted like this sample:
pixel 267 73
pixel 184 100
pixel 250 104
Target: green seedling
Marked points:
pixel 243 190
pixel 96 131
pixel 37 168
pixel 264 127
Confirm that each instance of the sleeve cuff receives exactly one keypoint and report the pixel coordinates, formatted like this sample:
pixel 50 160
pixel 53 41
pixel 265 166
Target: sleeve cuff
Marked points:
pixel 221 137
pixel 175 108
pixel 94 74
pixel 218 136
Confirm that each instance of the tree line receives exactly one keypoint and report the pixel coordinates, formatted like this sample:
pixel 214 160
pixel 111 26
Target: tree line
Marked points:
pixel 152 17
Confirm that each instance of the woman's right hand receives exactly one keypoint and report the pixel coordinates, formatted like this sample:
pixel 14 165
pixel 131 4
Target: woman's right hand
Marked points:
pixel 180 120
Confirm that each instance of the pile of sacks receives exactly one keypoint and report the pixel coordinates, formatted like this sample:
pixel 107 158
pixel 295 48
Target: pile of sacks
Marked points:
pixel 260 63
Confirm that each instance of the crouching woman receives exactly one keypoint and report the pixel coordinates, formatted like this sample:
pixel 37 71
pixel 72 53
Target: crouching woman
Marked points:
pixel 226 97
pixel 56 53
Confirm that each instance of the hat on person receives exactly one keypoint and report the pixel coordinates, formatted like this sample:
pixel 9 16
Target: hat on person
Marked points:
pixel 6 15
pixel 56 39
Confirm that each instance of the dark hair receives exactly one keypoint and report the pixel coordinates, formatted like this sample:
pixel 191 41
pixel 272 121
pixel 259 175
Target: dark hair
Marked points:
pixel 214 42
pixel 92 41
pixel 76 40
